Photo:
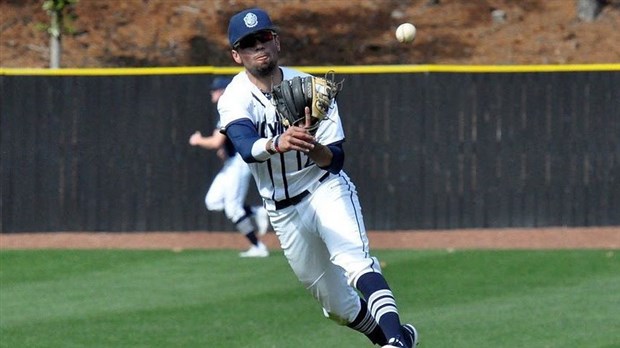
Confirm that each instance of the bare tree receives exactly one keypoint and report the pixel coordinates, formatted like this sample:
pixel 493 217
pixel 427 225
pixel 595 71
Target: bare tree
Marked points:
pixel 61 14
pixel 587 10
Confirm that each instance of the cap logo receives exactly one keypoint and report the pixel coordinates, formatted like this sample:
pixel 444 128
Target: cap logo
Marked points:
pixel 250 20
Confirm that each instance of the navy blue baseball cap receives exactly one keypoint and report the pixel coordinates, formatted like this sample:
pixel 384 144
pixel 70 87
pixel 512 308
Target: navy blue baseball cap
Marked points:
pixel 219 83
pixel 248 22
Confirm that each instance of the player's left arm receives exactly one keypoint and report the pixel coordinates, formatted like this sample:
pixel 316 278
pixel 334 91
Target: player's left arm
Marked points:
pixel 328 157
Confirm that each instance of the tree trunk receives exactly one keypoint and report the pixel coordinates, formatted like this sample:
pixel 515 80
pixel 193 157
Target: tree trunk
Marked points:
pixel 587 10
pixel 55 50
pixel 55 42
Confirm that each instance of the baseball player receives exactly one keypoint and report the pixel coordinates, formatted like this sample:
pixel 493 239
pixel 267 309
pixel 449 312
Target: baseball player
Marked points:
pixel 312 204
pixel 230 186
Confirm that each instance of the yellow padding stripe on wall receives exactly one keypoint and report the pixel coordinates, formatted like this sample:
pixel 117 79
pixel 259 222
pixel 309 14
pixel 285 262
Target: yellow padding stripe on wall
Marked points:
pixel 352 69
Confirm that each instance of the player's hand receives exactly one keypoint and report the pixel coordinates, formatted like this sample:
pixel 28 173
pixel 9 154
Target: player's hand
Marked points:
pixel 297 138
pixel 221 153
pixel 195 138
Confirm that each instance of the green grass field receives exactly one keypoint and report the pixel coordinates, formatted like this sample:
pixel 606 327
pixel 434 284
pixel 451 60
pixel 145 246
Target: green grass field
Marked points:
pixel 205 298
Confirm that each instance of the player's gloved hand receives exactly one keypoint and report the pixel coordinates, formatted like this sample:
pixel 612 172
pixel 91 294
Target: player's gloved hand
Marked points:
pixel 291 97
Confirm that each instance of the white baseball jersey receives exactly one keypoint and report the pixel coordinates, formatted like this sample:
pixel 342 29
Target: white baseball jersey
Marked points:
pixel 276 180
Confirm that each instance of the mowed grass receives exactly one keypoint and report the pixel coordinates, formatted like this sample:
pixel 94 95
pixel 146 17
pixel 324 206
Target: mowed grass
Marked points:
pixel 207 298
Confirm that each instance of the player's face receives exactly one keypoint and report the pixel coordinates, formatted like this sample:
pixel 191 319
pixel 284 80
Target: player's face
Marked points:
pixel 258 53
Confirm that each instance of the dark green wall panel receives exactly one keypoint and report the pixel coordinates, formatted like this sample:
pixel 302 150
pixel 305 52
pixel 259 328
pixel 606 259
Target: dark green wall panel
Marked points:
pixel 426 150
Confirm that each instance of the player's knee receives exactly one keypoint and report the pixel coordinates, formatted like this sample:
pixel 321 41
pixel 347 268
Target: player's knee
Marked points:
pixel 236 212
pixel 356 271
pixel 213 205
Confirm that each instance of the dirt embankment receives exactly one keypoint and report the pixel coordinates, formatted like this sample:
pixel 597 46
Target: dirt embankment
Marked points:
pixel 136 33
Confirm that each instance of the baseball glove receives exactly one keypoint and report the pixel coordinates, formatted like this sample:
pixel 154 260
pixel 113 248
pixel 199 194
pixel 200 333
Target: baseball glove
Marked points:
pixel 292 96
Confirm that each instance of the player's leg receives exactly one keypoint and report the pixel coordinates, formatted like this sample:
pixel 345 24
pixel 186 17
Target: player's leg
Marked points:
pixel 309 259
pixel 214 199
pixel 261 219
pixel 366 324
pixel 238 179
pixel 344 234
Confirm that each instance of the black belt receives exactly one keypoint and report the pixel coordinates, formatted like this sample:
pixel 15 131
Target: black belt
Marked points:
pixel 285 203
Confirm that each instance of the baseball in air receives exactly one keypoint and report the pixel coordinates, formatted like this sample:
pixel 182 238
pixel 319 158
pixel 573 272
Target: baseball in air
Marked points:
pixel 405 32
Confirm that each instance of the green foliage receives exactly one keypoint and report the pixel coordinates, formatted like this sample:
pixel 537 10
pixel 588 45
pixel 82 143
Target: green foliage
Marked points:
pixel 199 298
pixel 62 13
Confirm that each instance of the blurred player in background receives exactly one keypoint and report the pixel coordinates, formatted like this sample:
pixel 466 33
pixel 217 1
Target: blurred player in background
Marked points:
pixel 230 186
pixel 313 205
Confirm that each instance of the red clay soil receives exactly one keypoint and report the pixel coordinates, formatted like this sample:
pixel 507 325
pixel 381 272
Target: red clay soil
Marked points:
pixel 132 33
pixel 542 238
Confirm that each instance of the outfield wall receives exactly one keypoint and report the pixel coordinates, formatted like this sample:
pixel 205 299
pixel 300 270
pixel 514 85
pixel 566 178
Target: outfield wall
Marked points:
pixel 429 147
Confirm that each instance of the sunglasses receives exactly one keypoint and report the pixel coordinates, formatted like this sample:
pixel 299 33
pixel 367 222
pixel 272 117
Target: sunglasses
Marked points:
pixel 250 40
